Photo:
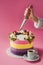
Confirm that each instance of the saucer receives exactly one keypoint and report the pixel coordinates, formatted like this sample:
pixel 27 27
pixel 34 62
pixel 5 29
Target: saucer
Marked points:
pixel 36 58
pixel 9 53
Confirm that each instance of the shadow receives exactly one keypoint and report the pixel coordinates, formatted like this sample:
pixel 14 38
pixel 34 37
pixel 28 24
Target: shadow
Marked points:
pixel 40 52
pixel 34 61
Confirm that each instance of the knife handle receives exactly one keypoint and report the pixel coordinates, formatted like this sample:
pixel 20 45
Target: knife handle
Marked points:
pixel 28 12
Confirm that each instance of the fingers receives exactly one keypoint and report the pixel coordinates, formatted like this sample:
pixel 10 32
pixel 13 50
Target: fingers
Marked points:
pixel 28 11
pixel 31 6
pixel 25 11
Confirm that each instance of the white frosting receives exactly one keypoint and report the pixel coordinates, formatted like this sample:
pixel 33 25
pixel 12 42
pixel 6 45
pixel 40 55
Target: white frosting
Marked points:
pixel 21 37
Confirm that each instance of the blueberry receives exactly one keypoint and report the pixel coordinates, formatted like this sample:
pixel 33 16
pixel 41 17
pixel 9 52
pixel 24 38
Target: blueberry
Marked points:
pixel 25 31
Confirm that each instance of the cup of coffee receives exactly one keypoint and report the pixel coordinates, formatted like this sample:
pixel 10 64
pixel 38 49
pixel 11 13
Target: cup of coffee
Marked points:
pixel 31 53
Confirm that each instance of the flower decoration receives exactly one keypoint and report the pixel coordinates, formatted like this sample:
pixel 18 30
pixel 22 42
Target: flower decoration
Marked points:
pixel 28 35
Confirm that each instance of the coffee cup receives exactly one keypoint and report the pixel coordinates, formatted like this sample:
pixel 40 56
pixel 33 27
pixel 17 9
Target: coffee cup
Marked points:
pixel 31 53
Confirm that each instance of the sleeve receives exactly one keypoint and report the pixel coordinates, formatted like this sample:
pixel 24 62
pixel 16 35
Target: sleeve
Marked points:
pixel 38 24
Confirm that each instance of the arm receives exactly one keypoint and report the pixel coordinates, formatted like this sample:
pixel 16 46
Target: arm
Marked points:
pixel 38 22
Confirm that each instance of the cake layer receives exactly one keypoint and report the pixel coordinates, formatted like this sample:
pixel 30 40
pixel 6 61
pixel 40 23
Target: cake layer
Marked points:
pixel 20 42
pixel 21 46
pixel 19 51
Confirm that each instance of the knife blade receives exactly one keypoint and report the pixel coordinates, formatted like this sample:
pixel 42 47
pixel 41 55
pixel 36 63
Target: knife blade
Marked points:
pixel 23 23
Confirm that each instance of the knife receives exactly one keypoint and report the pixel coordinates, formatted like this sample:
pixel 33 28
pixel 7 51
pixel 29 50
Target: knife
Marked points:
pixel 26 17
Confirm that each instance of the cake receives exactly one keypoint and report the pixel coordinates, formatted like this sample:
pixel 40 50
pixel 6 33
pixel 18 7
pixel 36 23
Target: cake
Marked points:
pixel 21 41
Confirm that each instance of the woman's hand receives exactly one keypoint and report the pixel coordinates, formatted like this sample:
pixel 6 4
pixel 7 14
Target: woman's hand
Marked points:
pixel 29 14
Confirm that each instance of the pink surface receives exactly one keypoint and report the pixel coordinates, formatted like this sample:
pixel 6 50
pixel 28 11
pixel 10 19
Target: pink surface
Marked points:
pixel 21 42
pixel 11 16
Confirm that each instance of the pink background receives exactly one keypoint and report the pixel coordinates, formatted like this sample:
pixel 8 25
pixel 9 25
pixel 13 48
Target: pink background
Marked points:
pixel 11 16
